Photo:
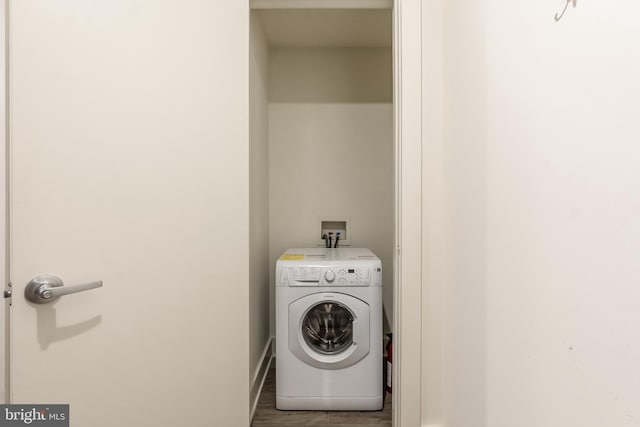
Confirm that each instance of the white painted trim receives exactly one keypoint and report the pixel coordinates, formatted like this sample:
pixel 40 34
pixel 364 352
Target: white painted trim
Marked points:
pixel 320 4
pixel 407 21
pixel 260 375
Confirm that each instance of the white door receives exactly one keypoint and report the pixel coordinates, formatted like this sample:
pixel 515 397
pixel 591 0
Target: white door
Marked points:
pixel 129 164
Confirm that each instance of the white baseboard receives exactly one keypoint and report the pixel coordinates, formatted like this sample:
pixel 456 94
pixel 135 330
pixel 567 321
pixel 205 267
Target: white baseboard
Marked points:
pixel 261 375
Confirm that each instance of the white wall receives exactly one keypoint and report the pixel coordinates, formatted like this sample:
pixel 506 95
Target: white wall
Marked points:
pixel 332 160
pixel 330 74
pixel 331 150
pixel 542 196
pixel 259 333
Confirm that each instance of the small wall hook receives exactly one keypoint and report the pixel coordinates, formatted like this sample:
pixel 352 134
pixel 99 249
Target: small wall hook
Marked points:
pixel 559 17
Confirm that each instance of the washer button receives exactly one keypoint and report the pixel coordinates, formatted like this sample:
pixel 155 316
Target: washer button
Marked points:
pixel 330 276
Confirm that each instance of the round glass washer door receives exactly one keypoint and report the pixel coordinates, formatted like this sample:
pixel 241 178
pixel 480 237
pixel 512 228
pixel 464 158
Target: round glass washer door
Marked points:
pixel 328 328
pixel 329 331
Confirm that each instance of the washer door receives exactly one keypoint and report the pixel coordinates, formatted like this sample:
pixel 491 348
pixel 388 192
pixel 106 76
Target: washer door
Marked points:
pixel 329 330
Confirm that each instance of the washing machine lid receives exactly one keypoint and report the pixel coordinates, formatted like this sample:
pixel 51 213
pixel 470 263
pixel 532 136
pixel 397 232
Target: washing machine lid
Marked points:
pixel 329 330
pixel 306 255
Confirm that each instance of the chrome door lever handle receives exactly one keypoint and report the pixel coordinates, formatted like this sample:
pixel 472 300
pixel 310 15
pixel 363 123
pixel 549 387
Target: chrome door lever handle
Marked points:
pixel 48 288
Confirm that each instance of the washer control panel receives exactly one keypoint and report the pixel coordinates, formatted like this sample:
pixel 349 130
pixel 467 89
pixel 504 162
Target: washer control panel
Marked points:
pixel 331 276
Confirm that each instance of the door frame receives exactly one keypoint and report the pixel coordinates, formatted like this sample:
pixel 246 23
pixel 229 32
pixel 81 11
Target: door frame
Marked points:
pixel 407 258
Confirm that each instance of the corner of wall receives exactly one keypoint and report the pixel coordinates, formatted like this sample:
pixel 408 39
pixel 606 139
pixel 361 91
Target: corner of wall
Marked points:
pixel 259 290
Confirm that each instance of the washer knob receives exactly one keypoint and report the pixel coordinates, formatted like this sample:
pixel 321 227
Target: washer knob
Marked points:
pixel 330 276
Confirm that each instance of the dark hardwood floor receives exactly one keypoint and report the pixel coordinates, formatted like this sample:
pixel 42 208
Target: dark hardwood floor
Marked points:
pixel 267 415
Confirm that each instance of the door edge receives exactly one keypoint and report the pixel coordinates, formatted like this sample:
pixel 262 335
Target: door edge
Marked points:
pixel 407 289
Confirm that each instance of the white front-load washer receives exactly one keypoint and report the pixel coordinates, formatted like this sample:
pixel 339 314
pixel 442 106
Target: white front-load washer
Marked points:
pixel 329 329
